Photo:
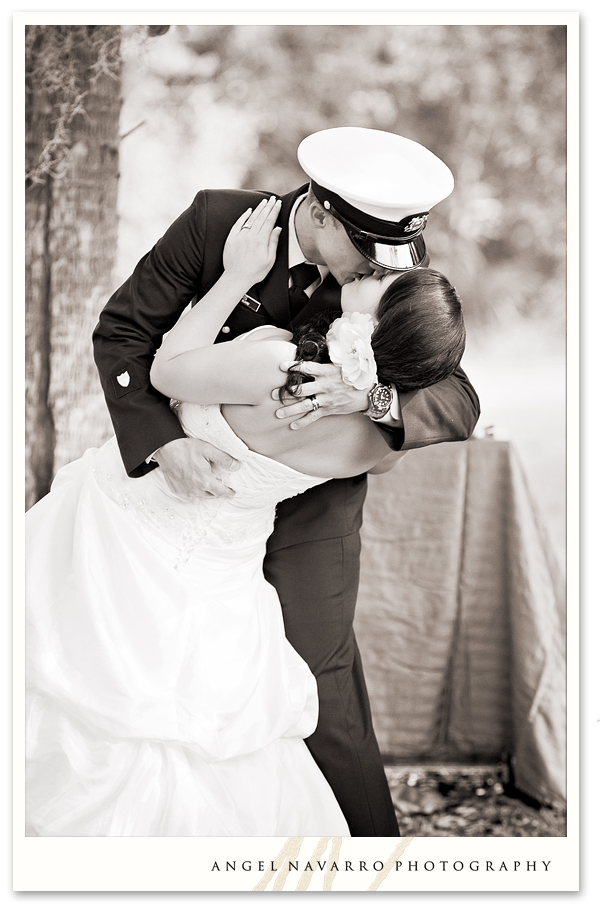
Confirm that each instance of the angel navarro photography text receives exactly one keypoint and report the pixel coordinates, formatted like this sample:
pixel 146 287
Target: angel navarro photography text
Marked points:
pixel 443 865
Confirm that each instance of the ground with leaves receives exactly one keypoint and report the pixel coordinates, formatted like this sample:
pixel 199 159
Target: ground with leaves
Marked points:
pixel 467 801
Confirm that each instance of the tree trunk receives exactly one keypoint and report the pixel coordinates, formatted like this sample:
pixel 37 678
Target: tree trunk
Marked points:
pixel 71 239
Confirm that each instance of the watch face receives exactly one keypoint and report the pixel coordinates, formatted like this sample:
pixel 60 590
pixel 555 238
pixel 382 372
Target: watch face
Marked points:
pixel 381 399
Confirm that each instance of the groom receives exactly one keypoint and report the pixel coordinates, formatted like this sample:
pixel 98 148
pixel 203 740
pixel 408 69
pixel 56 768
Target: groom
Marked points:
pixel 363 214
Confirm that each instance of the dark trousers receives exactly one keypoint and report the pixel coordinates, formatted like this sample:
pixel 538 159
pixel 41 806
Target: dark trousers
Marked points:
pixel 317 583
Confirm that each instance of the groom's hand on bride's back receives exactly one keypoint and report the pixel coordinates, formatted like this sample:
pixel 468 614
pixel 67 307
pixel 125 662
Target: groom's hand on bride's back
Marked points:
pixel 333 395
pixel 192 467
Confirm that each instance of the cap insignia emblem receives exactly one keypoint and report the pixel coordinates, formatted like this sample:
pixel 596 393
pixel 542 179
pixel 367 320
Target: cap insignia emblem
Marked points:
pixel 124 379
pixel 416 224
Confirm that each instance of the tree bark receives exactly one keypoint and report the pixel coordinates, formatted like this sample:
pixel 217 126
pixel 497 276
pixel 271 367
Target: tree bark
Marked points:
pixel 71 239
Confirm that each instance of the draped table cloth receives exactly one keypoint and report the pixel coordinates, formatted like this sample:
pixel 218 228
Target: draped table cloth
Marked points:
pixel 461 615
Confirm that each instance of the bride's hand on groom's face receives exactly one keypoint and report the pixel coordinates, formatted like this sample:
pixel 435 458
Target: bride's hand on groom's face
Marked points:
pixel 332 394
pixel 250 248
pixel 192 467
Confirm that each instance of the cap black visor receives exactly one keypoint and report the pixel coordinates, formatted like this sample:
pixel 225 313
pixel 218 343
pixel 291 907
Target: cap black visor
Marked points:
pixel 399 257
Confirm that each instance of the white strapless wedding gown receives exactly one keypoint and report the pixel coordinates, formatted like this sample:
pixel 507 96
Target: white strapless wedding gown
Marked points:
pixel 163 697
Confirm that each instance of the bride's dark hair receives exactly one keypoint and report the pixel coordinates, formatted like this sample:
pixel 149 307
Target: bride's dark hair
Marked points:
pixel 418 341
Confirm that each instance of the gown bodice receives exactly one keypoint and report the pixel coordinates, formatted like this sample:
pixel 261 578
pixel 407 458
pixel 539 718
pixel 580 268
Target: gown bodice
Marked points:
pixel 244 520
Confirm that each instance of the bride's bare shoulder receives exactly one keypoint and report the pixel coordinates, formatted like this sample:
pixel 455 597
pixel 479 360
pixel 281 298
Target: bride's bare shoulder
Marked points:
pixel 267 344
pixel 257 356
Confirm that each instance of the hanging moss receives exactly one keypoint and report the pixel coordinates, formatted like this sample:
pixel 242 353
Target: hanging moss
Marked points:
pixel 62 63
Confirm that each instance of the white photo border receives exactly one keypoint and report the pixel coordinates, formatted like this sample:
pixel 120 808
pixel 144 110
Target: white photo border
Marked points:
pixel 184 864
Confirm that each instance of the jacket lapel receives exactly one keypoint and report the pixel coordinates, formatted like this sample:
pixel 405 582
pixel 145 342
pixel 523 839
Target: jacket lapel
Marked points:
pixel 273 290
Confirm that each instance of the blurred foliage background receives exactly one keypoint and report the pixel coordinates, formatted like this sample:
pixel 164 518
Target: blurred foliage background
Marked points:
pixel 489 100
pixel 227 105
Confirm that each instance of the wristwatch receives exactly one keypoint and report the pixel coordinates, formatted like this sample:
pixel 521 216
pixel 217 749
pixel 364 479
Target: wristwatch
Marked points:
pixel 380 401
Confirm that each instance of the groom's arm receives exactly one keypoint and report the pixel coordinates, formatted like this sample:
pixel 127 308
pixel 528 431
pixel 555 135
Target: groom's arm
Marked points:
pixel 184 263
pixel 445 412
pixel 130 330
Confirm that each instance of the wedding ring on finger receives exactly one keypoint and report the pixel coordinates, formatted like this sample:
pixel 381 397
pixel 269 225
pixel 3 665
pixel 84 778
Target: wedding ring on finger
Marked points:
pixel 314 402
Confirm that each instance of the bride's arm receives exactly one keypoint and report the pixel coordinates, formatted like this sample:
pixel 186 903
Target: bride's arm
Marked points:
pixel 243 371
pixel 248 256
pixel 189 366
pixel 386 464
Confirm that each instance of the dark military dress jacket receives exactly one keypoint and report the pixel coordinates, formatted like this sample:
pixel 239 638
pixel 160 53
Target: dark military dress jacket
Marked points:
pixel 181 268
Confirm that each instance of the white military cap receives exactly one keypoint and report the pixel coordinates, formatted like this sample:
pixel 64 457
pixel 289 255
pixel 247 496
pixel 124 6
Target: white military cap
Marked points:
pixel 380 186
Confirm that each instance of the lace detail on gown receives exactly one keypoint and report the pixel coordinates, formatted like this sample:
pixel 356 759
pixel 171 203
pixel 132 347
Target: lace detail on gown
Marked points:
pixel 259 484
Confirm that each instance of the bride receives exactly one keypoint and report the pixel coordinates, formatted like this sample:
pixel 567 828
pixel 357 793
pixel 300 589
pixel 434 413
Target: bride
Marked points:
pixel 163 698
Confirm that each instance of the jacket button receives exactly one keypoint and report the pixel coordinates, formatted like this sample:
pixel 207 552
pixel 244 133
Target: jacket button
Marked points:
pixel 226 330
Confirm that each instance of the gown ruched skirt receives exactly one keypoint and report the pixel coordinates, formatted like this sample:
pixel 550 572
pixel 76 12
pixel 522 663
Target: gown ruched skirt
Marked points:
pixel 163 698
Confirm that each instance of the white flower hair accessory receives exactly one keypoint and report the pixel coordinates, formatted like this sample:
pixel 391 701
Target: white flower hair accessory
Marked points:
pixel 349 344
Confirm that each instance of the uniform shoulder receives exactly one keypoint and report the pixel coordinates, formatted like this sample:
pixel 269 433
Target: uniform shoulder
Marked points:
pixel 231 197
